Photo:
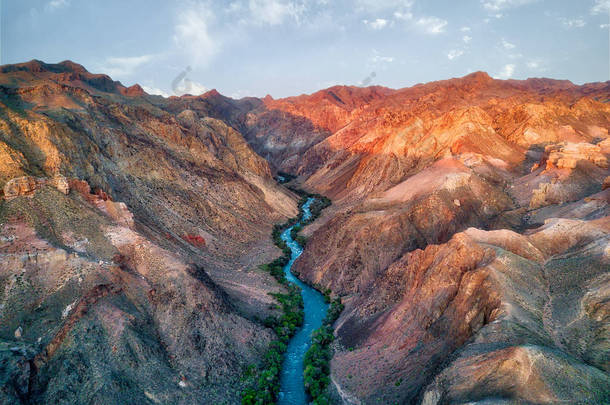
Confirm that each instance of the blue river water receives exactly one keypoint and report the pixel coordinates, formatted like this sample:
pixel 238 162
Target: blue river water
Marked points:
pixel 292 389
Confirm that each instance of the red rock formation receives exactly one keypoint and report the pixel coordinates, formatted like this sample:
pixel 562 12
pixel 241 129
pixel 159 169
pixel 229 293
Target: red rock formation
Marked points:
pixel 397 132
pixel 134 91
pixel 195 240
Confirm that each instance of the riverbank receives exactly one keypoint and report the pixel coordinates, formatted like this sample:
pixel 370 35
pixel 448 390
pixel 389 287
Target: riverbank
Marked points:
pixel 316 371
pixel 303 310
pixel 292 385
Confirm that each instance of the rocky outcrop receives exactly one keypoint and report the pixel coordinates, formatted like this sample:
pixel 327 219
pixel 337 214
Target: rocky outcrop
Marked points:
pixel 60 183
pixel 568 155
pixel 20 186
pixel 27 185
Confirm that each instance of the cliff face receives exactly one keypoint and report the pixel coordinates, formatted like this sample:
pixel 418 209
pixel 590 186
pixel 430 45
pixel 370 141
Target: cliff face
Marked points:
pixel 131 228
pixel 466 212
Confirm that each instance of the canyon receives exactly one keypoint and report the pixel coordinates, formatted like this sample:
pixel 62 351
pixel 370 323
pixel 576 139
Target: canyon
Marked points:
pixel 468 238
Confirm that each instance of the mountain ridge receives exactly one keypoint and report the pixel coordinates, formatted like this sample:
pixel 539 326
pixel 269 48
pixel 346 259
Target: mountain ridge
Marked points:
pixel 477 77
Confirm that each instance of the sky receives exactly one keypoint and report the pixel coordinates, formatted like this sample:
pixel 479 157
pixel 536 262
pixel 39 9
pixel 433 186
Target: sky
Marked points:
pixel 290 47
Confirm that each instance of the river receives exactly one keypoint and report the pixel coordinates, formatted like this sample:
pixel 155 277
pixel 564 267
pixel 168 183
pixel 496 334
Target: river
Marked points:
pixel 292 389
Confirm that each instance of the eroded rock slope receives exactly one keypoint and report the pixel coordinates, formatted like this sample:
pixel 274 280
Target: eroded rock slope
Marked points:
pixel 131 229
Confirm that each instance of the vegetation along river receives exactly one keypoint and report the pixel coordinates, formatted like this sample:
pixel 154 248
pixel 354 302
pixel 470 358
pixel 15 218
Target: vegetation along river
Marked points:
pixel 292 389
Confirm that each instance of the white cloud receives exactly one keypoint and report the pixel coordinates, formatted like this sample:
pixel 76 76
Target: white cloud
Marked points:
pixel 497 5
pixel 466 39
pixel 274 12
pixel 121 67
pixel 194 88
pixel 405 16
pixel 155 91
pixel 192 36
pixel 572 22
pixel 604 26
pixel 601 7
pixel 507 45
pixel 382 59
pixel 465 29
pixel 454 53
pixel 537 65
pixel 379 5
pixel 55 4
pixel 506 72
pixel 183 85
pixel 377 62
pixel 432 25
pixel 376 24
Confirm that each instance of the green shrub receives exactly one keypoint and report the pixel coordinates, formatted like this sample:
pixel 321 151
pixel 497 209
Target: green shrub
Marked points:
pixel 301 240
pixel 294 232
pixel 334 311
pixel 317 359
pixel 270 322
